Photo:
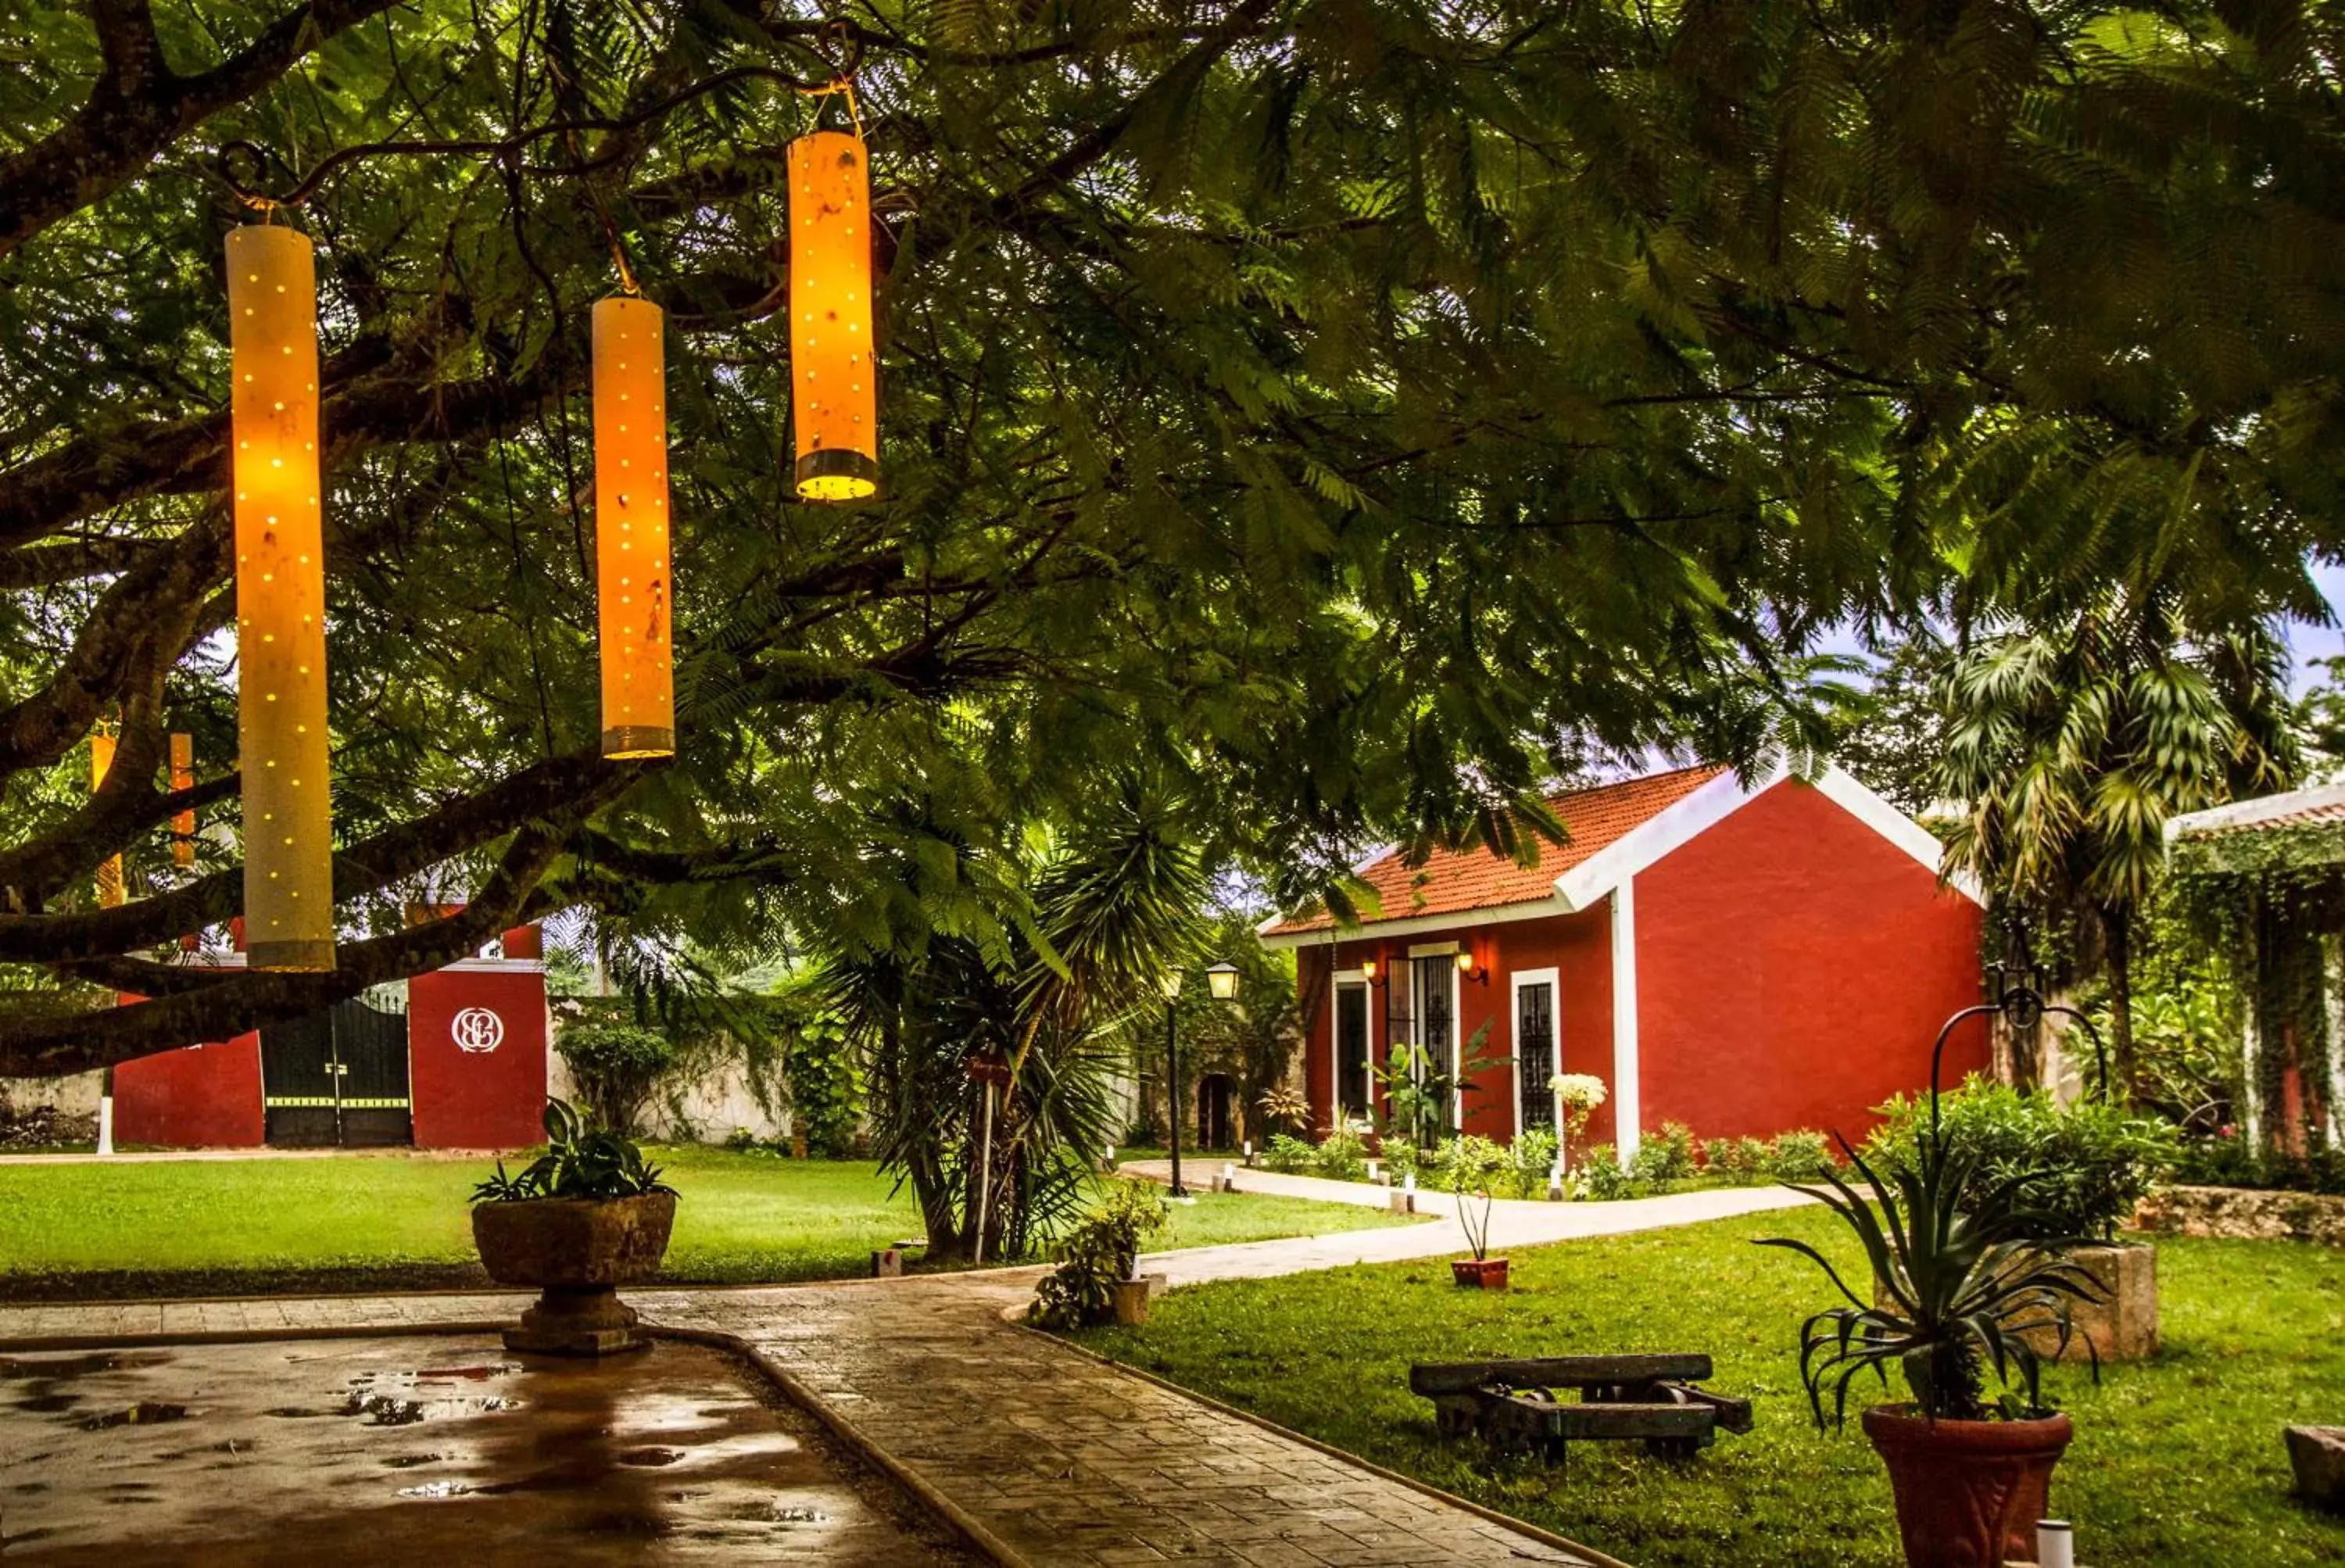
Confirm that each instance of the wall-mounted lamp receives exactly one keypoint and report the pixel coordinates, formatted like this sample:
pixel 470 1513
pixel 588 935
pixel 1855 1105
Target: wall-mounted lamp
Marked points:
pixel 1479 973
pixel 1369 969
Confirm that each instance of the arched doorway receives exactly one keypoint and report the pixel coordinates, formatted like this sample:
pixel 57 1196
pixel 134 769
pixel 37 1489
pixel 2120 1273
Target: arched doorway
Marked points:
pixel 1214 1129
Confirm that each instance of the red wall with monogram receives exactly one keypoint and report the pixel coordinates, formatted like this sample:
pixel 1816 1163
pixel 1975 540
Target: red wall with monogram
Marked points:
pixel 476 1054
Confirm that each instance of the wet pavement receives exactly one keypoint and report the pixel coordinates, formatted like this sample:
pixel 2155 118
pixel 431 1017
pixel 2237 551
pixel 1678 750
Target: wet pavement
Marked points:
pixel 444 1448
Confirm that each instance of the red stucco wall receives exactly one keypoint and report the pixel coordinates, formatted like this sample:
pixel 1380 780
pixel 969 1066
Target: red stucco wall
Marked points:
pixel 1792 968
pixel 477 1099
pixel 204 1097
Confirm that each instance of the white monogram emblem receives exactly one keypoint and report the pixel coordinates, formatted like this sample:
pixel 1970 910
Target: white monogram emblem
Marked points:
pixel 477 1029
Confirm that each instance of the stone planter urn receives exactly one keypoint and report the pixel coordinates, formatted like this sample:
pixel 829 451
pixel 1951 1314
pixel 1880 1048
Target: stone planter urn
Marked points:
pixel 576 1252
pixel 2123 1323
pixel 1968 1492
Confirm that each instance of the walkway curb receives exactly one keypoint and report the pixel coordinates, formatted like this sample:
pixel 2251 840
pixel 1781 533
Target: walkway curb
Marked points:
pixel 1014 1316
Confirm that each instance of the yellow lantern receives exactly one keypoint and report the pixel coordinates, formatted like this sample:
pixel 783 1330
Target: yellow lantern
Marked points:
pixel 833 376
pixel 631 529
pixel 110 873
pixel 183 776
pixel 280 609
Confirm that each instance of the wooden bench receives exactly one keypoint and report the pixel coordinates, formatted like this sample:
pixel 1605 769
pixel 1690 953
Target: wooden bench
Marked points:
pixel 1513 1405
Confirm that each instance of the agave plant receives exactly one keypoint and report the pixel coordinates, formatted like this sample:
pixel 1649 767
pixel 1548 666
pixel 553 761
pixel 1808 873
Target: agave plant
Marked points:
pixel 1960 1289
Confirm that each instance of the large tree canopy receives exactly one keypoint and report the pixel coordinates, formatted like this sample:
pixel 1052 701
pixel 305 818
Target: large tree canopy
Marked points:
pixel 1350 409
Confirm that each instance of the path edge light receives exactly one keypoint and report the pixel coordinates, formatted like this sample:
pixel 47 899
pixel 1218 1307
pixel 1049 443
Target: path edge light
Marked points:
pixel 634 587
pixel 834 370
pixel 280 609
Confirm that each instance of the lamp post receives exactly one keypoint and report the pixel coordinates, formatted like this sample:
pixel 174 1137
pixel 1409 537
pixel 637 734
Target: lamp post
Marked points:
pixel 1222 980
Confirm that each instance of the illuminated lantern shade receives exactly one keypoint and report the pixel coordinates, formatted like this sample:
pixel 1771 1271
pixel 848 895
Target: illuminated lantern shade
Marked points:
pixel 183 776
pixel 280 601
pixel 630 533
pixel 109 874
pixel 834 377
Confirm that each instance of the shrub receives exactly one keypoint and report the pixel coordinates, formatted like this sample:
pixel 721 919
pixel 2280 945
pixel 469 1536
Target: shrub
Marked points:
pixel 827 1095
pixel 1796 1156
pixel 1529 1162
pixel 1402 1159
pixel 615 1064
pixel 1578 1095
pixel 1288 1156
pixel 2229 1160
pixel 2078 1173
pixel 1342 1156
pixel 1737 1160
pixel 1665 1157
pixel 1100 1251
pixel 1600 1178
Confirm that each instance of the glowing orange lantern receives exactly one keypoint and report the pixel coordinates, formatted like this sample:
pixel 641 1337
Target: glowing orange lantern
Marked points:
pixel 183 776
pixel 280 601
pixel 109 874
pixel 631 529
pixel 834 377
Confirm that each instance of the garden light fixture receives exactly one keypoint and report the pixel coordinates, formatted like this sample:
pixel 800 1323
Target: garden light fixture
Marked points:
pixel 281 599
pixel 1223 978
pixel 632 552
pixel 834 377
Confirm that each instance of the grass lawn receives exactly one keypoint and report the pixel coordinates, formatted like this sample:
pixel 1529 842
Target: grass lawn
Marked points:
pixel 392 1221
pixel 2178 1463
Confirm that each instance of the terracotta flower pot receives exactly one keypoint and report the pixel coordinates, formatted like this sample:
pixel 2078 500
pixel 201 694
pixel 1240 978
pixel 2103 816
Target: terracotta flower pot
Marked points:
pixel 575 1251
pixel 1479 1273
pixel 1968 1492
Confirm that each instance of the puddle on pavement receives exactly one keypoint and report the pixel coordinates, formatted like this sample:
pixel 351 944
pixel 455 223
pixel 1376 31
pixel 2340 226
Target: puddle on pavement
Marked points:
pixel 429 1451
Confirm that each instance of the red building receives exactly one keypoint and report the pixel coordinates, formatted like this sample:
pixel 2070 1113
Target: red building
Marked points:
pixel 458 1062
pixel 1746 961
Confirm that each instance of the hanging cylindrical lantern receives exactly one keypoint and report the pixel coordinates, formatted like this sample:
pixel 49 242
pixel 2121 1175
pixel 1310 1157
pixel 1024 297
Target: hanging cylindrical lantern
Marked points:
pixel 183 776
pixel 834 377
pixel 631 531
pixel 280 601
pixel 109 871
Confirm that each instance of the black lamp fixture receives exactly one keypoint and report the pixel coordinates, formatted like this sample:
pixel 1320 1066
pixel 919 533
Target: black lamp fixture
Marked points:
pixel 1223 979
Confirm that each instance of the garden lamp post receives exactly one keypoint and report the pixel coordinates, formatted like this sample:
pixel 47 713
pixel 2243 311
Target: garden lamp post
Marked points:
pixel 1223 979
pixel 1173 1073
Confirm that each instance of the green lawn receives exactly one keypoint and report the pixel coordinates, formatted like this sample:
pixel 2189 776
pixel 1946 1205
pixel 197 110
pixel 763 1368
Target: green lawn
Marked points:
pixel 2176 1463
pixel 365 1222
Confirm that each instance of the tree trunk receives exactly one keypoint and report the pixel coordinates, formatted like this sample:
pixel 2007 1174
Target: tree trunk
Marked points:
pixel 2119 926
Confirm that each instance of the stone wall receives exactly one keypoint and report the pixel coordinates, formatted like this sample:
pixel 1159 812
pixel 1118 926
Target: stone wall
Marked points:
pixel 2244 1213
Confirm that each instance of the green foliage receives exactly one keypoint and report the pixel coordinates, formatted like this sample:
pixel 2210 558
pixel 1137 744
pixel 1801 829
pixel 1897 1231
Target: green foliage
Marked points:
pixel 826 1089
pixel 2078 1172
pixel 1598 1178
pixel 580 1161
pixel 1342 1156
pixel 1664 1158
pixel 1797 1156
pixel 1740 1160
pixel 1472 1167
pixel 1530 1161
pixel 2227 1159
pixel 1288 1156
pixel 616 1064
pixel 1417 1091
pixel 1962 1283
pixel 1100 1251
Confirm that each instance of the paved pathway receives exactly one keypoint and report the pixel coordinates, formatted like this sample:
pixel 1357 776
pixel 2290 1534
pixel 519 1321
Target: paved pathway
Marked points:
pixel 1044 1454
pixel 1513 1223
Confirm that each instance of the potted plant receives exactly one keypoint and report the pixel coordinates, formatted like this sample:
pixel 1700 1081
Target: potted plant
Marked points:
pixel 584 1217
pixel 2080 1171
pixel 1098 1276
pixel 1963 1287
pixel 1470 1166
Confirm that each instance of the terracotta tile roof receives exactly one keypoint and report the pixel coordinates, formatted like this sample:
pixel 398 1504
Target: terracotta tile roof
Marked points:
pixel 1450 882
